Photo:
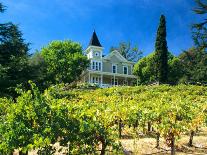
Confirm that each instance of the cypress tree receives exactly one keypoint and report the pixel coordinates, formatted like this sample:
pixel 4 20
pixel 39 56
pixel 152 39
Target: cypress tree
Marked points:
pixel 161 52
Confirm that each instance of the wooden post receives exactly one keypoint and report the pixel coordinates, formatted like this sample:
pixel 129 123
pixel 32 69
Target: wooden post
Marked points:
pixel 89 78
pixel 101 80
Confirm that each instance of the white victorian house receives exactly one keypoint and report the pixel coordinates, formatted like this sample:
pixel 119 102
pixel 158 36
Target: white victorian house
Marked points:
pixel 110 70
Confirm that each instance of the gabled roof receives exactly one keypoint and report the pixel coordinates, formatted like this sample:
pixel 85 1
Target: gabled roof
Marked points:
pixel 94 40
pixel 119 56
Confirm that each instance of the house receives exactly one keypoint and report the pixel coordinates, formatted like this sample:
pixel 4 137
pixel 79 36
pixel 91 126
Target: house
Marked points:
pixel 110 70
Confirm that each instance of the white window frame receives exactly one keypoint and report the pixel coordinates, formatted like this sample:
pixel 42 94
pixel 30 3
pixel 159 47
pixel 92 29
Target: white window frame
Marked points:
pixel 127 70
pixel 96 65
pixel 96 79
pixel 113 69
pixel 97 53
pixel 93 65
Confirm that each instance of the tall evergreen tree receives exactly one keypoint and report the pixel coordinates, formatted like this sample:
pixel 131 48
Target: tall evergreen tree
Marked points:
pixel 161 52
pixel 14 68
pixel 2 8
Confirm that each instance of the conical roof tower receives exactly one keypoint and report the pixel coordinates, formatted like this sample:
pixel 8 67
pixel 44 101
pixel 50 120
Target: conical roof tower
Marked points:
pixel 94 40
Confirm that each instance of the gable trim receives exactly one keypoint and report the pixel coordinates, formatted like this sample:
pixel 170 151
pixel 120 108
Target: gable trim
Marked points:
pixel 118 55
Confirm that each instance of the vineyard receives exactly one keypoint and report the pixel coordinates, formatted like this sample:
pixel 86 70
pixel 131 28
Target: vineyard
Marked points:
pixel 92 121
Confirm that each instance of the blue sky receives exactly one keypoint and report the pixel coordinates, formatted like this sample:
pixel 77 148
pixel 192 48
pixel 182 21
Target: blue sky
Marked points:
pixel 42 21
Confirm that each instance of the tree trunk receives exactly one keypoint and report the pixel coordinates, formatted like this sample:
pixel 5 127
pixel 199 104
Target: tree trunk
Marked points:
pixel 21 153
pixel 158 140
pixel 190 143
pixel 103 149
pixel 120 128
pixel 135 124
pixel 172 144
pixel 149 126
pixel 143 128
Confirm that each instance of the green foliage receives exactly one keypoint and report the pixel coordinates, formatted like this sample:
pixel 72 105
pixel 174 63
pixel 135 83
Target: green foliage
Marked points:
pixel 81 120
pixel 199 29
pixel 38 71
pixel 64 61
pixel 128 52
pixel 194 64
pixel 2 8
pixel 145 69
pixel 175 70
pixel 161 53
pixel 13 59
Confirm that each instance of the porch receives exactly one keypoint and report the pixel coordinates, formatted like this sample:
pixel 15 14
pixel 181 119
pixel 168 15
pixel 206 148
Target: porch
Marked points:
pixel 105 81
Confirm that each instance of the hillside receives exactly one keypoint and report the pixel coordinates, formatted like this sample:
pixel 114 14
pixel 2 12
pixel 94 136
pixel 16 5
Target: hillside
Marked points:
pixel 95 121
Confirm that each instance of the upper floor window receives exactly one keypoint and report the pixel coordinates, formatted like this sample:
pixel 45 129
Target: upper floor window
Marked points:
pixel 96 65
pixel 93 65
pixel 97 54
pixel 125 69
pixel 114 68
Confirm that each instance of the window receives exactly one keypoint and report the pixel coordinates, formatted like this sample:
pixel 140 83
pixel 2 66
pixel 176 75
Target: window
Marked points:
pixel 114 68
pixel 125 69
pixel 96 54
pixel 114 82
pixel 93 66
pixel 96 79
pixel 96 65
pixel 99 66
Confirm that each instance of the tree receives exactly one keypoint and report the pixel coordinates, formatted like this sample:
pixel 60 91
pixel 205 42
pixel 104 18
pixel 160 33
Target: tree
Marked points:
pixel 13 58
pixel 64 61
pixel 128 52
pixel 175 70
pixel 38 71
pixel 161 52
pixel 194 62
pixel 2 8
pixel 199 29
pixel 145 69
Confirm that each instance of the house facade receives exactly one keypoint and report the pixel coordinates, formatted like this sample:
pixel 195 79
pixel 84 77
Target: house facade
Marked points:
pixel 106 71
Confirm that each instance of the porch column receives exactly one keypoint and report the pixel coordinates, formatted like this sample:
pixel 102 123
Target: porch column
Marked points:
pixel 101 79
pixel 114 81
pixel 89 78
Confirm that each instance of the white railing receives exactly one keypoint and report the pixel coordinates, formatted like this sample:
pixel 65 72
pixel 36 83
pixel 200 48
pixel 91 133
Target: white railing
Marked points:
pixel 105 85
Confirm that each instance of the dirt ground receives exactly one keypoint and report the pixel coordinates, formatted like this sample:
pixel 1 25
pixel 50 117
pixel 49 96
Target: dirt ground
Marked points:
pixel 145 145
